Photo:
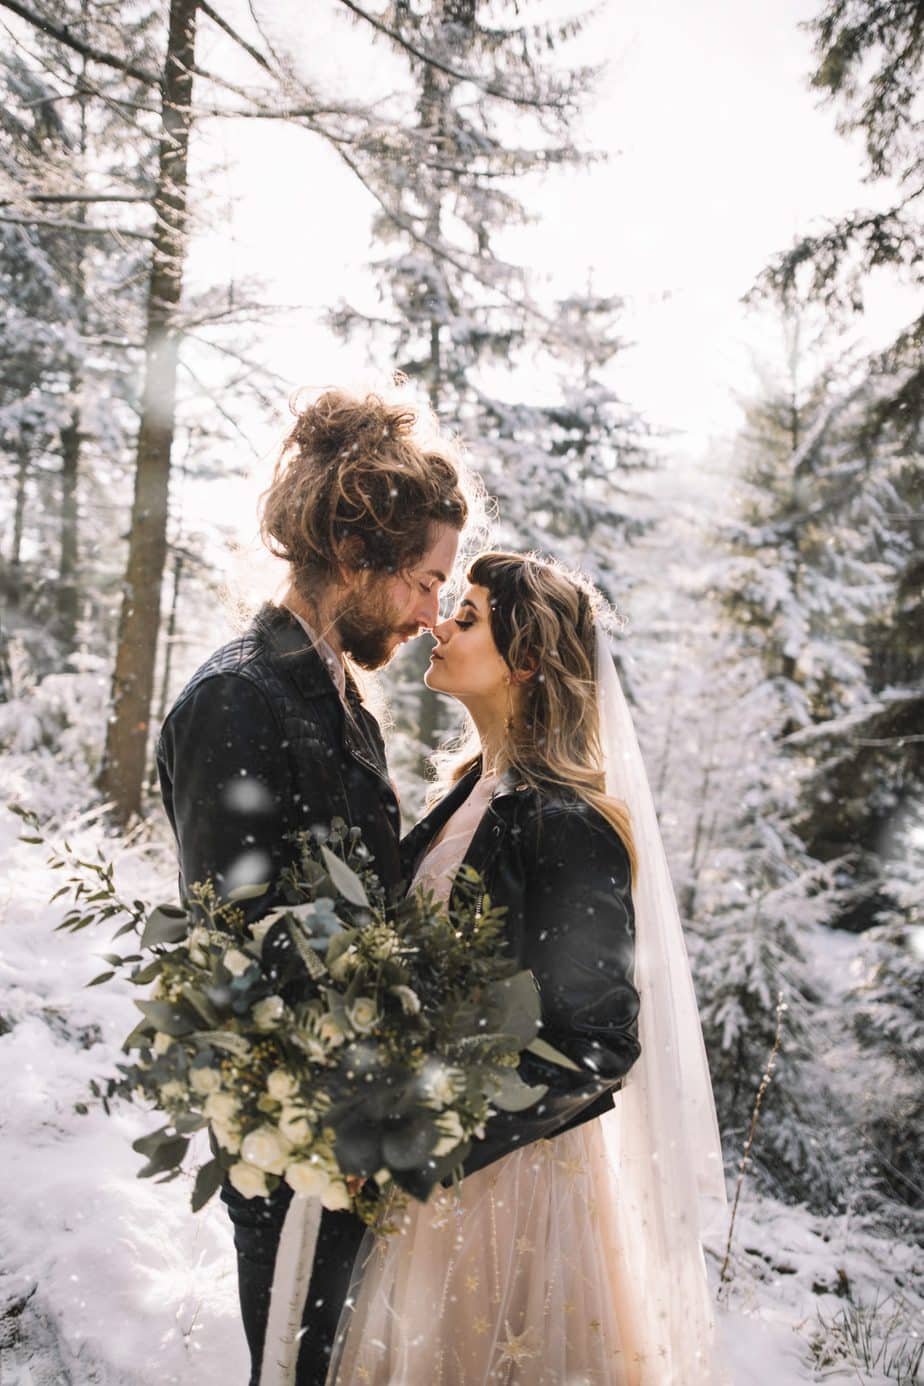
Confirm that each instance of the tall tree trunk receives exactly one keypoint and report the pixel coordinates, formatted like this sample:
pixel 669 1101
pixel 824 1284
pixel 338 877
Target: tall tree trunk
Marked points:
pixel 67 566
pixel 122 774
pixel 71 434
pixel 19 513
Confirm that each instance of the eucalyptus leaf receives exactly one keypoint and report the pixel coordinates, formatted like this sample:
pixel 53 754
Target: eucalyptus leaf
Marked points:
pixel 167 1156
pixel 247 892
pixel 165 924
pixel 208 1182
pixel 543 1050
pixel 513 1095
pixel 146 1145
pixel 226 1039
pixel 168 1017
pixel 345 879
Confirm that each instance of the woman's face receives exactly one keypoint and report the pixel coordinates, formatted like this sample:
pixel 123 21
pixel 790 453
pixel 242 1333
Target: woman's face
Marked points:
pixel 465 662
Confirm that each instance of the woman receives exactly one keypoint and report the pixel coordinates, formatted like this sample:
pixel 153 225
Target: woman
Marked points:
pixel 570 1253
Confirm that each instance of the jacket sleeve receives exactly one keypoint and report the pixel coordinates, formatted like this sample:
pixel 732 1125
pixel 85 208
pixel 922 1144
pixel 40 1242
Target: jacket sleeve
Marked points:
pixel 578 940
pixel 224 778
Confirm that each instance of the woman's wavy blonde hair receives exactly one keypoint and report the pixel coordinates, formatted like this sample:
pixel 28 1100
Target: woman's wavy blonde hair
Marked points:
pixel 544 620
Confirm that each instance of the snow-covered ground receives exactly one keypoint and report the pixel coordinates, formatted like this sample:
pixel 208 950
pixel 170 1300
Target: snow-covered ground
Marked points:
pixel 105 1278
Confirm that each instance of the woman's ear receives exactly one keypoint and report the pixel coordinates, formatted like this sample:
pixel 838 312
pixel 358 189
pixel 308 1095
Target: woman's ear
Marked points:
pixel 526 673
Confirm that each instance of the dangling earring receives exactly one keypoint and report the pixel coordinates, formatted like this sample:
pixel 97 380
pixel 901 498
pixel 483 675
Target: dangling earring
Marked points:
pixel 508 720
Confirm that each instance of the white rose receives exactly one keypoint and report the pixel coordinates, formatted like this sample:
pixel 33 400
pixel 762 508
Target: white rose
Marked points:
pixel 221 1106
pixel 172 1092
pixel 453 1133
pixel 248 1181
pixel 410 1001
pixel 336 1197
pixel 330 1032
pixel 307 1178
pixel 341 967
pixel 268 1013
pixel 161 1043
pixel 363 1014
pixel 382 1177
pixel 294 1125
pixel 237 962
pixel 266 1148
pixel 227 1136
pixel 204 1080
pixel 439 1082
pixel 281 1085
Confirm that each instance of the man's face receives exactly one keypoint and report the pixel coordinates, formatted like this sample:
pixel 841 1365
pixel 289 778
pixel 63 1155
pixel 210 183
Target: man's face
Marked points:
pixel 377 614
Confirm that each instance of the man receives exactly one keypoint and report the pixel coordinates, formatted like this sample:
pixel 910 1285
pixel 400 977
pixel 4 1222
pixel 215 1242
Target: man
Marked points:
pixel 271 736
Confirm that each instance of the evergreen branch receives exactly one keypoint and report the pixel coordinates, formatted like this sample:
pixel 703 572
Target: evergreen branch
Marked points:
pixel 237 38
pixel 54 225
pixel 433 61
pixel 86 50
pixel 73 197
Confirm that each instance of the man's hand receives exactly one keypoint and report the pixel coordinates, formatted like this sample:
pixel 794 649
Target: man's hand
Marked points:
pixel 354 1183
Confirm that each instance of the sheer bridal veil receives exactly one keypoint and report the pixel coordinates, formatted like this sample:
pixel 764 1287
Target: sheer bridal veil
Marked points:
pixel 662 1137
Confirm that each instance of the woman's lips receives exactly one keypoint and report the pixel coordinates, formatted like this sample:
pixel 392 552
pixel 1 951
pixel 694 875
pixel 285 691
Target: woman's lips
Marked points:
pixel 434 655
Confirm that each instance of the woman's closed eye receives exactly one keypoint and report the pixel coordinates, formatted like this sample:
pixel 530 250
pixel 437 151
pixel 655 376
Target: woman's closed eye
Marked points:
pixel 463 625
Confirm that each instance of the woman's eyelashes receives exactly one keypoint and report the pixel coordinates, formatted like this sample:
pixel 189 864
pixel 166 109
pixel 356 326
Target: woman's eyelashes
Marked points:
pixel 463 625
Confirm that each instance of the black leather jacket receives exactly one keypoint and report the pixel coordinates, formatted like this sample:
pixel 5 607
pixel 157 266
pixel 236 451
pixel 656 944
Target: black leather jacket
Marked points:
pixel 563 873
pixel 259 744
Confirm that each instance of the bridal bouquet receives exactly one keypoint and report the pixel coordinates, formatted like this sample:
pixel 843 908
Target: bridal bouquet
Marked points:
pixel 334 1039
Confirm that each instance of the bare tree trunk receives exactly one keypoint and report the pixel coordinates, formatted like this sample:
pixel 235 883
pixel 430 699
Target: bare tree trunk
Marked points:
pixel 170 634
pixel 71 434
pixel 67 567
pixel 19 513
pixel 122 774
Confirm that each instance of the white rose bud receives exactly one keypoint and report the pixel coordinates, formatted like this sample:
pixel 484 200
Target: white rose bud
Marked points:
pixel 161 1043
pixel 363 1014
pixel 172 1092
pixel 266 1148
pixel 248 1181
pixel 237 962
pixel 410 1001
pixel 281 1085
pixel 439 1081
pixel 341 967
pixel 204 1080
pixel 306 1178
pixel 294 1125
pixel 227 1136
pixel 451 1127
pixel 221 1106
pixel 269 1012
pixel 336 1197
pixel 330 1032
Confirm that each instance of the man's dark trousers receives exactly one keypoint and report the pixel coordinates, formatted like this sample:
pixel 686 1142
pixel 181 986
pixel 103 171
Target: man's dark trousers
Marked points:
pixel 257 746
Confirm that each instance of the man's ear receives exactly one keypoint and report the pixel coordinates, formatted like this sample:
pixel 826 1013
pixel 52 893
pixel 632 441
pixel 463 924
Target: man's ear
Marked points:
pixel 348 557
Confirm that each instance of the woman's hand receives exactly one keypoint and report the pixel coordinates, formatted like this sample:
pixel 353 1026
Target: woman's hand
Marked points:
pixel 354 1183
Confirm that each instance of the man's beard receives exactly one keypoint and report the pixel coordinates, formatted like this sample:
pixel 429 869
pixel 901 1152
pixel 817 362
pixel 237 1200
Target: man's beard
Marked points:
pixel 367 630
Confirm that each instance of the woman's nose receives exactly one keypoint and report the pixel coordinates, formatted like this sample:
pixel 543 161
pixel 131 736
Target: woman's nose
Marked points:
pixel 442 631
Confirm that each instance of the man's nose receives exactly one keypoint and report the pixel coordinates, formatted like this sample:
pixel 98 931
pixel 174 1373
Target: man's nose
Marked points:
pixel 428 608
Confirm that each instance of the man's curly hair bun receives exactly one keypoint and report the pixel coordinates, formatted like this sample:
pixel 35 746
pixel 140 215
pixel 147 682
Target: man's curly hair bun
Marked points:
pixel 356 488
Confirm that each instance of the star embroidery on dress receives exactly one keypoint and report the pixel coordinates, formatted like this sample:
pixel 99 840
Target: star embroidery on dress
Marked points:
pixel 568 1306
pixel 595 1325
pixel 572 1166
pixel 363 1373
pixel 524 1245
pixel 515 1349
pixel 481 1324
pixel 471 1282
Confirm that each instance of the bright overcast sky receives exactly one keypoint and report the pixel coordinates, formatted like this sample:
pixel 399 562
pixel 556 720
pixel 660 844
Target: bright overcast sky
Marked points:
pixel 719 152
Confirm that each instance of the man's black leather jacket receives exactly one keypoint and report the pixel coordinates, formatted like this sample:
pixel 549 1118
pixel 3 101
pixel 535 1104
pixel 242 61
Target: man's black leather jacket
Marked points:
pixel 259 745
pixel 563 873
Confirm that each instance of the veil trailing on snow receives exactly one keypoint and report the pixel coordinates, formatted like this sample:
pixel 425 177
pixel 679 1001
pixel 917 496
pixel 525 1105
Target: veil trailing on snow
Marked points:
pixel 662 1137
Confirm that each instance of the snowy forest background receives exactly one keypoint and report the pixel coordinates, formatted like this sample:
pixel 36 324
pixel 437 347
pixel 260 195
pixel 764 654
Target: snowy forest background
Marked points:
pixel 774 639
